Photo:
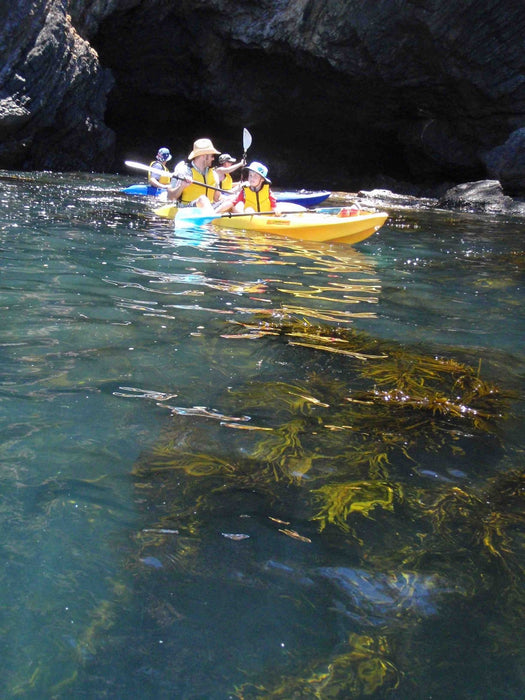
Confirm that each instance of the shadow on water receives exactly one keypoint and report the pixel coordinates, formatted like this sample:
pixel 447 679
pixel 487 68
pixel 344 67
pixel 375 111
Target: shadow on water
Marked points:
pixel 243 467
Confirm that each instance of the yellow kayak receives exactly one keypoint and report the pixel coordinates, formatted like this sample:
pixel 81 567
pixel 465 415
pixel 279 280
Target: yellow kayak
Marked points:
pixel 310 226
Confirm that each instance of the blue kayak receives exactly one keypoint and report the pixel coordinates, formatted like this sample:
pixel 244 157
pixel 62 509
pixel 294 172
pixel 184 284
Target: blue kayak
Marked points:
pixel 307 198
pixel 142 189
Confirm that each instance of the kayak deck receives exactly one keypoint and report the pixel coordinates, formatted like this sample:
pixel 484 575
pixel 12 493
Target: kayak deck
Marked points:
pixel 144 190
pixel 310 226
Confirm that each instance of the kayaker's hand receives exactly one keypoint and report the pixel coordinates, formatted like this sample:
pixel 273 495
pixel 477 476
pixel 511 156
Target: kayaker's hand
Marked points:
pixel 182 172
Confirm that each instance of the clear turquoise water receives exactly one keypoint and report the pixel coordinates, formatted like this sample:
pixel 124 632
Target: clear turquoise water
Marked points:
pixel 119 335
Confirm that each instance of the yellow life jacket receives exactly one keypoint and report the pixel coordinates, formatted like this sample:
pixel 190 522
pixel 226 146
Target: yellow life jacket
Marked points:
pixel 258 201
pixel 227 182
pixel 164 179
pixel 191 192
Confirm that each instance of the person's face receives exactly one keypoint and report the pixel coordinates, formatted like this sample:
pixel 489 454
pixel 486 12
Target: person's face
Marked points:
pixel 254 179
pixel 204 161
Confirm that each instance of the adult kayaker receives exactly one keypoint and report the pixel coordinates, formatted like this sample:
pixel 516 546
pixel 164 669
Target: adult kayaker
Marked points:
pixel 197 169
pixel 159 177
pixel 228 165
pixel 255 195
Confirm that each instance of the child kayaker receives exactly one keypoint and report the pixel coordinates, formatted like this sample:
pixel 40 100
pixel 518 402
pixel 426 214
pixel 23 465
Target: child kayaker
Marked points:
pixel 255 195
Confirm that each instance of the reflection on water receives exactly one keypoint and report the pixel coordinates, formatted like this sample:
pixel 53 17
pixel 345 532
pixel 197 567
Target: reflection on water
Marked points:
pixel 238 466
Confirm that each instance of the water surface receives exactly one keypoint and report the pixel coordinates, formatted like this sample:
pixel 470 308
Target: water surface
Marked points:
pixel 169 418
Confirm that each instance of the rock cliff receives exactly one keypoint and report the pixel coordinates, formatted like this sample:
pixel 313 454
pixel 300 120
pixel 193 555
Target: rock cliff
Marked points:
pixel 338 93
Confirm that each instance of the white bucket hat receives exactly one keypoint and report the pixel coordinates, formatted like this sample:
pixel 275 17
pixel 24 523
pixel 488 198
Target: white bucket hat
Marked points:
pixel 260 169
pixel 203 147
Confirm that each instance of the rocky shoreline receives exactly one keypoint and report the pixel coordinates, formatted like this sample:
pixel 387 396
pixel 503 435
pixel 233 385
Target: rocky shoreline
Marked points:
pixel 481 197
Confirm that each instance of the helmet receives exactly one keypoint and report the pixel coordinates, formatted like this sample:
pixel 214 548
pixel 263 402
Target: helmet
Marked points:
pixel 164 155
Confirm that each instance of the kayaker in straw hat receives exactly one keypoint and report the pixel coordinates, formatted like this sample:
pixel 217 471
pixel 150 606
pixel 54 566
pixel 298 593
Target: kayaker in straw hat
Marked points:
pixel 255 195
pixel 198 168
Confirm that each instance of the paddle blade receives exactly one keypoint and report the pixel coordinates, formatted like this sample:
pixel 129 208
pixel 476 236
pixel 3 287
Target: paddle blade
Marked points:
pixel 140 166
pixel 246 139
pixel 137 166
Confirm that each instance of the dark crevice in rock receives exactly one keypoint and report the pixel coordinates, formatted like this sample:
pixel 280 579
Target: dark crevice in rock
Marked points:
pixel 309 122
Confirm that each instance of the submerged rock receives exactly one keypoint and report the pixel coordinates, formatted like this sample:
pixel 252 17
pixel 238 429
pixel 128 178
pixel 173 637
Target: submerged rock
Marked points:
pixel 377 598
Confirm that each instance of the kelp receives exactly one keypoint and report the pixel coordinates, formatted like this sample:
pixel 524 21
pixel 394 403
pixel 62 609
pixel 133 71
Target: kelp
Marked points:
pixel 166 459
pixel 341 445
pixel 440 387
pixel 360 669
pixel 476 533
pixel 334 434
pixel 321 337
pixel 283 398
pixel 339 500
pixel 284 452
pixel 487 519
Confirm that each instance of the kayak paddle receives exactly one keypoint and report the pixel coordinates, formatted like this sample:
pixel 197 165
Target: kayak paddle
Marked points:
pixel 202 216
pixel 246 142
pixel 148 168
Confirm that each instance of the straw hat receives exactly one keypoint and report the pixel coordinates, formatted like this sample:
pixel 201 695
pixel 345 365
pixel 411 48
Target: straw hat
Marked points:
pixel 260 169
pixel 203 147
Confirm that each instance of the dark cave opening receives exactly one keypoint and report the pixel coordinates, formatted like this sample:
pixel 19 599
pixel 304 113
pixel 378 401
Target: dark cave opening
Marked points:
pixel 312 126
pixel 309 125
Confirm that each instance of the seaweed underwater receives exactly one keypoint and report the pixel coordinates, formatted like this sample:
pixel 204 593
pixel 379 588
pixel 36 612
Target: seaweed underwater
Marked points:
pixel 344 453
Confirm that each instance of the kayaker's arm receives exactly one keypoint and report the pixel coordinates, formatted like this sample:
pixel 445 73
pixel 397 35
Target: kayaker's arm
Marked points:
pixel 154 175
pixel 230 168
pixel 181 179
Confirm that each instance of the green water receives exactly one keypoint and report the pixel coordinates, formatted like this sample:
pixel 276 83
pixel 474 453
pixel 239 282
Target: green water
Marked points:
pixel 166 430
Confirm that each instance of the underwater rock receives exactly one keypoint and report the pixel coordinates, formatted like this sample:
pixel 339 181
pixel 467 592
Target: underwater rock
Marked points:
pixel 152 561
pixel 377 598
